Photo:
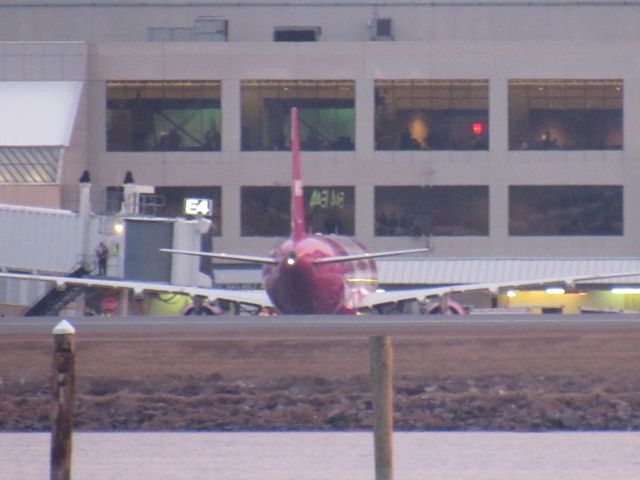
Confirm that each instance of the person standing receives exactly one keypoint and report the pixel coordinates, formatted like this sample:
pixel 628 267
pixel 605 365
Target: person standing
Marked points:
pixel 102 252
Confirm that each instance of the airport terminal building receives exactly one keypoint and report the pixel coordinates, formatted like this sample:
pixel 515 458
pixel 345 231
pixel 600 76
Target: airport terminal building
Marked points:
pixel 485 130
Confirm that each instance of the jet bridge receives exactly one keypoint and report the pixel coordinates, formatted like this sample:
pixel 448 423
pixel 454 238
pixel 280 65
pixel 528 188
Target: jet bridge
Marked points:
pixel 60 242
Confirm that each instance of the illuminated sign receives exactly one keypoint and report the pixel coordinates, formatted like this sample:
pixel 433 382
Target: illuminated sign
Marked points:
pixel 198 206
pixel 326 198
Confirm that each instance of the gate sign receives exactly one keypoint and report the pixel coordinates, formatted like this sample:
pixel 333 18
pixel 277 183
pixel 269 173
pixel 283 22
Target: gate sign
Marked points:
pixel 198 206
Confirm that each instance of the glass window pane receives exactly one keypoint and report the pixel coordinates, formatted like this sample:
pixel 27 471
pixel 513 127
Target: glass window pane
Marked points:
pixel 114 199
pixel 326 112
pixel 565 210
pixel 265 211
pixel 163 116
pixel 432 114
pixel 440 210
pixel 565 115
pixel 330 210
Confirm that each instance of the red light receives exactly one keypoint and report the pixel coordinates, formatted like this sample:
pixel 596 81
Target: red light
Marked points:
pixel 477 128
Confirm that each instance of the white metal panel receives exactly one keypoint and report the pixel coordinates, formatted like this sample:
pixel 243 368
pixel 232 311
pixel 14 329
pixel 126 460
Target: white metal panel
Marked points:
pixel 38 113
pixel 39 239
pixel 237 276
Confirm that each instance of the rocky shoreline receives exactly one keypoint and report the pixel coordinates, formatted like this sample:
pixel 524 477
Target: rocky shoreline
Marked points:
pixel 220 403
pixel 532 381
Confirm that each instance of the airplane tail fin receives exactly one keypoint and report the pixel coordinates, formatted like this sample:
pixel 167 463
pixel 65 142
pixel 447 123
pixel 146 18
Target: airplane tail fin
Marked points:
pixel 297 199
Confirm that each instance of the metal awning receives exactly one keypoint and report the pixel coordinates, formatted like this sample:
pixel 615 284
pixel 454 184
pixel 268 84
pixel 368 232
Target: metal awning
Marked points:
pixel 36 124
pixel 38 113
pixel 448 271
pixel 30 165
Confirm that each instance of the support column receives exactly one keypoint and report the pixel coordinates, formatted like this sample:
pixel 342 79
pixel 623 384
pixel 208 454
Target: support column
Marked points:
pixel 63 386
pixel 381 358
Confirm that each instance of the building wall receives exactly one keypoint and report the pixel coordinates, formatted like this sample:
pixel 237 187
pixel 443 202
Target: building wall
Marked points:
pixel 255 20
pixel 365 168
pixel 31 60
pixel 539 40
pixel 31 196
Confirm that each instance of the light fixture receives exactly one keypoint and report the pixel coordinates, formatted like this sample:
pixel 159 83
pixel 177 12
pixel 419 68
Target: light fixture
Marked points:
pixel 292 259
pixel 624 290
pixel 511 293
pixel 555 291
pixel 118 228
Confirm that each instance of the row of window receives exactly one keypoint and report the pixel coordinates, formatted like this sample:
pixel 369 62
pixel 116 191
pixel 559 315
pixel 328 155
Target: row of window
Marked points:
pixel 409 115
pixel 552 210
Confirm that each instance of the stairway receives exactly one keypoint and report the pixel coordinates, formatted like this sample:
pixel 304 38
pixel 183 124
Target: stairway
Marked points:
pixel 55 299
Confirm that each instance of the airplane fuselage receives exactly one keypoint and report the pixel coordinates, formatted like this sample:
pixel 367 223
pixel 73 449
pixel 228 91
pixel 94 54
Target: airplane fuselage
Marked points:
pixel 296 285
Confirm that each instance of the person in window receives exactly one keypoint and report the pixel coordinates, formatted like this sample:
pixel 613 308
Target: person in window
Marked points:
pixel 142 122
pixel 407 142
pixel 169 140
pixel 174 140
pixel 211 140
pixel 313 141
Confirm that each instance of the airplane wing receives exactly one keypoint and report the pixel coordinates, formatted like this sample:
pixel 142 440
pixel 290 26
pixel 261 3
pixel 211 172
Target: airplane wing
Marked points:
pixel 367 256
pixel 273 261
pixel 225 256
pixel 421 294
pixel 253 297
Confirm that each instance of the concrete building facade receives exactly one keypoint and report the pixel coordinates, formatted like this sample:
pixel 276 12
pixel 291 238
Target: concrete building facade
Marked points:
pixel 520 117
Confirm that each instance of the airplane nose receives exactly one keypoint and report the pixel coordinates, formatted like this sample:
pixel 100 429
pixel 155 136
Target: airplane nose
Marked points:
pixel 292 259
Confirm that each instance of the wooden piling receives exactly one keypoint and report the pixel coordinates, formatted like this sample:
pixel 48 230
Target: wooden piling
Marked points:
pixel 381 358
pixel 63 386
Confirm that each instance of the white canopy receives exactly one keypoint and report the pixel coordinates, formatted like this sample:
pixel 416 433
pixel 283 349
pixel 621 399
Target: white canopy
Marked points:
pixel 38 113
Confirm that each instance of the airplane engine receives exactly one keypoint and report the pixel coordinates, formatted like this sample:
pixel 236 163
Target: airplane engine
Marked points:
pixel 433 307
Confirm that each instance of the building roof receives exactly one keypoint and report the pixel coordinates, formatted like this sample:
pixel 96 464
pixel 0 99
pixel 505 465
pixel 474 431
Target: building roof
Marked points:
pixel 38 113
pixel 36 122
pixel 447 271
pixel 450 271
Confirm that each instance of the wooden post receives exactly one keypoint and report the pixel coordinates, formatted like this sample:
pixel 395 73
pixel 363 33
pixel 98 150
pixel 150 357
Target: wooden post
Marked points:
pixel 63 384
pixel 381 358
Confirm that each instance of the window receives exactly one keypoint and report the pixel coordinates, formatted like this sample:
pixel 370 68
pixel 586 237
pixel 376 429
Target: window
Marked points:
pixel 114 199
pixel 381 29
pixel 163 116
pixel 440 210
pixel 265 211
pixel 296 34
pixel 325 109
pixel 565 114
pixel 565 210
pixel 330 210
pixel 432 114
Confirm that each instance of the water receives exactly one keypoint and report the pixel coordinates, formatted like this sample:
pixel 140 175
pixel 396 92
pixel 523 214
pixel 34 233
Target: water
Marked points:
pixel 324 456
